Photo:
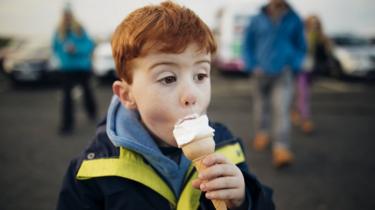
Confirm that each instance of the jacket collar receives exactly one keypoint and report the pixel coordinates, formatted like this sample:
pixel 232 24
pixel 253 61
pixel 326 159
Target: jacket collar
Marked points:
pixel 125 129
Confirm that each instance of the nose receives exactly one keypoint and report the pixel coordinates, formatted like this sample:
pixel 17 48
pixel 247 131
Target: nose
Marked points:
pixel 188 101
pixel 188 98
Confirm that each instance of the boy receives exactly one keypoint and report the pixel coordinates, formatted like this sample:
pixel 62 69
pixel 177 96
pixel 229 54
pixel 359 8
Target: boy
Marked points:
pixel 162 55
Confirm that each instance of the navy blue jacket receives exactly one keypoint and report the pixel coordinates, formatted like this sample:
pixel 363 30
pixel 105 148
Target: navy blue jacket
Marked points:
pixel 96 180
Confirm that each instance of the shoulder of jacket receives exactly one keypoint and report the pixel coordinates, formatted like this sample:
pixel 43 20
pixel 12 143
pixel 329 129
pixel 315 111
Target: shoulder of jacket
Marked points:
pixel 222 134
pixel 100 146
pixel 219 127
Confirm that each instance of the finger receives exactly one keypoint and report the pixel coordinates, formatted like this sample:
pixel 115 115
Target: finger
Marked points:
pixel 218 170
pixel 225 194
pixel 215 158
pixel 221 183
pixel 196 183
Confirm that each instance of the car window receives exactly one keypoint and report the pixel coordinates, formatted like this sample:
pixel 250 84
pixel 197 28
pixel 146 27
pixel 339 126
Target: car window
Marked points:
pixel 350 41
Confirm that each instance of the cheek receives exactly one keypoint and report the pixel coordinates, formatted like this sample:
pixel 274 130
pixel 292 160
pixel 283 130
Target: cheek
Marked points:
pixel 158 119
pixel 156 109
pixel 205 98
pixel 157 116
pixel 161 124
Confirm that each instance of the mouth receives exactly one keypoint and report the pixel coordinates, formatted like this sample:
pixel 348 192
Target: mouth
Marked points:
pixel 188 117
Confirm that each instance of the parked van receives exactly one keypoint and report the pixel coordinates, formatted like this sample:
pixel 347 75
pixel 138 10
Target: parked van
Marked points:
pixel 231 22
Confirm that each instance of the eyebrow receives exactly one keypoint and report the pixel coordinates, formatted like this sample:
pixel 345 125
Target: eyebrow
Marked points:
pixel 162 63
pixel 203 61
pixel 175 64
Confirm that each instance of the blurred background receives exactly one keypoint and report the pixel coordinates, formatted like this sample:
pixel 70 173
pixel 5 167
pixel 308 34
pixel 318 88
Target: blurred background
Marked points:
pixel 28 27
pixel 334 165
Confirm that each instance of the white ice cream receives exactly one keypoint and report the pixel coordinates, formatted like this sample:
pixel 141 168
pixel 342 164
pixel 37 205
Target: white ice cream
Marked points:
pixel 192 127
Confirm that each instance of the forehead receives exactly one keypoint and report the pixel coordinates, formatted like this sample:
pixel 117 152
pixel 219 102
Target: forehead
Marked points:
pixel 190 55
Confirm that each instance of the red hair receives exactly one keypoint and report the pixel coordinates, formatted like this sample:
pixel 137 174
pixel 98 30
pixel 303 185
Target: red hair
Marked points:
pixel 166 28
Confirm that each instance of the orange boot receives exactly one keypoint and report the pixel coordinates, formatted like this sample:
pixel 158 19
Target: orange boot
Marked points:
pixel 282 157
pixel 261 141
pixel 307 126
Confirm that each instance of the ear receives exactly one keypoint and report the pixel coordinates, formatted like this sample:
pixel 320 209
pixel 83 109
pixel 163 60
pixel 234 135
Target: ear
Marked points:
pixel 123 90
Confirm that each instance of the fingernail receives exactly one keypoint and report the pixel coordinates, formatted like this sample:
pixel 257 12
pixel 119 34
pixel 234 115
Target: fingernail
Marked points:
pixel 208 195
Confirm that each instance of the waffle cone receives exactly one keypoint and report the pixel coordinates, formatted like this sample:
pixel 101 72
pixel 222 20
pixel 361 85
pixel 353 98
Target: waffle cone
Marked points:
pixel 196 150
pixel 218 204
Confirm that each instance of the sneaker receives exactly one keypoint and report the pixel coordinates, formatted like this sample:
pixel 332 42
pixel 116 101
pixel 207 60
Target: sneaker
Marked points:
pixel 282 157
pixel 307 126
pixel 261 141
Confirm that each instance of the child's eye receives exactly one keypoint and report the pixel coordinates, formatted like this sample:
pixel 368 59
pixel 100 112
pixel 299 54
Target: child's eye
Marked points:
pixel 201 76
pixel 168 80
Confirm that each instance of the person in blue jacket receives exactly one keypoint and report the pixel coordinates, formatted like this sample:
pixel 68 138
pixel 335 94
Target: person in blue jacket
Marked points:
pixel 162 54
pixel 274 48
pixel 72 47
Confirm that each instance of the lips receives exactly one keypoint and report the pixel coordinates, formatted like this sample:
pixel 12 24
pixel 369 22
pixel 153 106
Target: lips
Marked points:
pixel 188 117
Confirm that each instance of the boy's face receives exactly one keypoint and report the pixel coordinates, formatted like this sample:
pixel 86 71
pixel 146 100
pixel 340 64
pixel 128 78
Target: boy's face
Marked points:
pixel 167 87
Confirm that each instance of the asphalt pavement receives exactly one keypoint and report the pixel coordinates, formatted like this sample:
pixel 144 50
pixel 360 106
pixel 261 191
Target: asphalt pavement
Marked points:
pixel 334 166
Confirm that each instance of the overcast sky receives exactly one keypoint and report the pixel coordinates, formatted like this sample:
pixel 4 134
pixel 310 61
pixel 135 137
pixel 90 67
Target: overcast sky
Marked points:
pixel 40 17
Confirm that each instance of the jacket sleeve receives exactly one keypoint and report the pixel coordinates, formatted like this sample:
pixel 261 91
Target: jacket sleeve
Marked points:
pixel 258 196
pixel 299 43
pixel 55 44
pixel 57 47
pixel 78 194
pixel 249 46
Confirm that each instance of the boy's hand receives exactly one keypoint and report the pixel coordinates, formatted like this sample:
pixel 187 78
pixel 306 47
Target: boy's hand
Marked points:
pixel 221 180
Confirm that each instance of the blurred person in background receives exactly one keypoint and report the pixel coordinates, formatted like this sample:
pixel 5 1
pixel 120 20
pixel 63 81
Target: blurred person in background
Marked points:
pixel 274 48
pixel 317 58
pixel 73 49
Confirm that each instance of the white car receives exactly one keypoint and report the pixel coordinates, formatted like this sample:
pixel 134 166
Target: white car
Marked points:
pixel 103 63
pixel 355 56
pixel 31 61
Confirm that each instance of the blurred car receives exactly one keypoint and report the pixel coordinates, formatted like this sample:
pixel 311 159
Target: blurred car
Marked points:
pixel 31 61
pixel 103 63
pixel 354 56
pixel 9 46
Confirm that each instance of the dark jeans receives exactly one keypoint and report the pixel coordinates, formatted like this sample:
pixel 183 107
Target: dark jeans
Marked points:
pixel 69 81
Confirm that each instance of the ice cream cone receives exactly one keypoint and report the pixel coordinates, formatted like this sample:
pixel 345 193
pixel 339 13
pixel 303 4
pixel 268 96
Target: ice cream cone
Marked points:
pixel 196 150
pixel 194 135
